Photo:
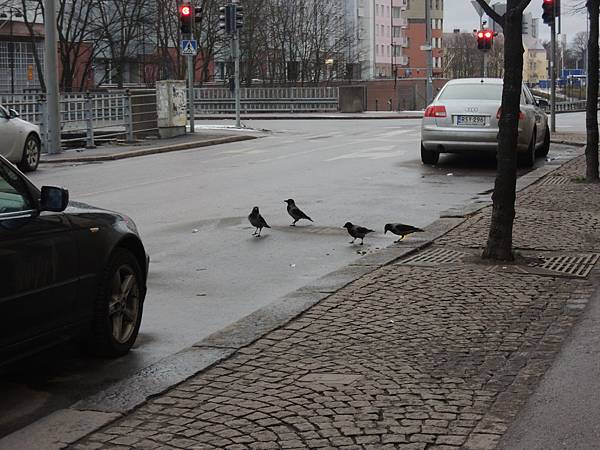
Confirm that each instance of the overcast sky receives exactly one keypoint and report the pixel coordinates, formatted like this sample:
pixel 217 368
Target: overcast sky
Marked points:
pixel 461 14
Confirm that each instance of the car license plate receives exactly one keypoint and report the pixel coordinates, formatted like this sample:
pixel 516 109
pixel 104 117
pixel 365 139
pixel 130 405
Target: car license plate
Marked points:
pixel 477 121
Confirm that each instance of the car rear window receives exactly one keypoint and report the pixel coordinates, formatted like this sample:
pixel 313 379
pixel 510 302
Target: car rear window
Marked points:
pixel 479 91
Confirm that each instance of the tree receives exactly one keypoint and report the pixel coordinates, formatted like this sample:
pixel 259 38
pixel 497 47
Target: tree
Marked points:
pixel 591 116
pixel 499 243
pixel 579 46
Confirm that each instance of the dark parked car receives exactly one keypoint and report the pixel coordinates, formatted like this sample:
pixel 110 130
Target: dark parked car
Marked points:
pixel 67 270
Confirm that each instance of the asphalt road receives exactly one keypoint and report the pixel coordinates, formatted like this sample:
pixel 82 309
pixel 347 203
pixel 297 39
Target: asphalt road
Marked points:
pixel 207 270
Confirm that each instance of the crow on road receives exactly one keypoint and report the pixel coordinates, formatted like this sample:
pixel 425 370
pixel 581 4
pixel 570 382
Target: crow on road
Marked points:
pixel 257 221
pixel 357 232
pixel 401 229
pixel 295 212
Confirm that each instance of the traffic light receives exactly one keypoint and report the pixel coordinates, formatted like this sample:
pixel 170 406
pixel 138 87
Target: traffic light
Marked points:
pixel 485 39
pixel 549 10
pixel 185 18
pixel 239 17
pixel 227 18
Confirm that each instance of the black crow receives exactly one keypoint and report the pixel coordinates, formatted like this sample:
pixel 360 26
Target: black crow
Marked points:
pixel 257 221
pixel 401 229
pixel 357 232
pixel 295 212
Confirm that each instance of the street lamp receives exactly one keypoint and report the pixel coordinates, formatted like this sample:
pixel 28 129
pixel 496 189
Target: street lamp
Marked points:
pixel 10 16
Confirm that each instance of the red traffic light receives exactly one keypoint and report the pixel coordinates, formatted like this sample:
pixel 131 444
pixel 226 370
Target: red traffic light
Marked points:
pixel 488 35
pixel 185 10
pixel 480 35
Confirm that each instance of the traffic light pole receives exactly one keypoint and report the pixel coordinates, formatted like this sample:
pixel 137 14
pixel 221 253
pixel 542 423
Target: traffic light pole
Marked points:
pixel 553 78
pixel 51 74
pixel 236 50
pixel 190 75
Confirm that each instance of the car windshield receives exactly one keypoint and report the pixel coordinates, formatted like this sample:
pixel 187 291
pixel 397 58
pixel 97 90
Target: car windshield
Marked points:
pixel 479 91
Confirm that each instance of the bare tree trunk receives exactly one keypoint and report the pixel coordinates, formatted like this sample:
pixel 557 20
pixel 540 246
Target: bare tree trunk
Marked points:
pixel 591 116
pixel 499 244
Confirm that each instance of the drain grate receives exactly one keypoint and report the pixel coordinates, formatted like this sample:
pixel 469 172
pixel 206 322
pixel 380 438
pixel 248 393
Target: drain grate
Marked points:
pixel 434 257
pixel 573 265
pixel 554 180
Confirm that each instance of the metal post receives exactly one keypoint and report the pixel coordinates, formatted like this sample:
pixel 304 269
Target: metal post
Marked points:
pixel 89 116
pixel 12 55
pixel 51 75
pixel 129 112
pixel 43 122
pixel 553 78
pixel 190 74
pixel 428 33
pixel 236 49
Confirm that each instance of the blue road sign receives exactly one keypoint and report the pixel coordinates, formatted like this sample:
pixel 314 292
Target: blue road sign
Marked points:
pixel 189 47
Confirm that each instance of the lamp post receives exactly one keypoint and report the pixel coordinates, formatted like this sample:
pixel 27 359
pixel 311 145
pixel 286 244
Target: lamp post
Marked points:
pixel 11 52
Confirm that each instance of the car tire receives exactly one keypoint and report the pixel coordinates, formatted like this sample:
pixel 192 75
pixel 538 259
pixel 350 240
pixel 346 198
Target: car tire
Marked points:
pixel 429 157
pixel 117 313
pixel 545 148
pixel 527 159
pixel 31 154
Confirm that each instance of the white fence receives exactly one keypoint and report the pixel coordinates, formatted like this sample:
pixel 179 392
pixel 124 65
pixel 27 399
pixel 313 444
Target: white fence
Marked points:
pixel 82 115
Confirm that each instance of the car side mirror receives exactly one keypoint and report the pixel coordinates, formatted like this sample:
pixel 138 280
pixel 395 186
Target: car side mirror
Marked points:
pixel 13 113
pixel 542 103
pixel 54 199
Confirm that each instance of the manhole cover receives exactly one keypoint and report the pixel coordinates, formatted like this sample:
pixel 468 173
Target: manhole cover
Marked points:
pixel 569 266
pixel 434 257
pixel 574 265
pixel 554 180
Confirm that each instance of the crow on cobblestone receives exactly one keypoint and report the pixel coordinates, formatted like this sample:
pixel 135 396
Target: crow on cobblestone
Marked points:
pixel 357 232
pixel 295 212
pixel 257 221
pixel 401 229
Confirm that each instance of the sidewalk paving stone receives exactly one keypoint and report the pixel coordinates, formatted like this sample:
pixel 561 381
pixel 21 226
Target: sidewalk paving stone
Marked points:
pixel 408 356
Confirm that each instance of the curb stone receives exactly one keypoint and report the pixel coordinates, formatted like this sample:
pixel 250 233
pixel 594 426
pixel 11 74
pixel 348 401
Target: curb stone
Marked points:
pixel 149 151
pixel 124 396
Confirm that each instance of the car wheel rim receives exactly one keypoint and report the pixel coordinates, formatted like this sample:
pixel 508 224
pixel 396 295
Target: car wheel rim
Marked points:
pixel 123 309
pixel 31 153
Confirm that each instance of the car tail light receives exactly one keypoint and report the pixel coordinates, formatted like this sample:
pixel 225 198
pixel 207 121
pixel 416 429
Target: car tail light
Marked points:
pixel 499 114
pixel 435 111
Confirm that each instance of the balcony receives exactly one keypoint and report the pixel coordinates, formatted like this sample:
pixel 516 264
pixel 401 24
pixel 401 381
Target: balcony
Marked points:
pixel 401 41
pixel 400 22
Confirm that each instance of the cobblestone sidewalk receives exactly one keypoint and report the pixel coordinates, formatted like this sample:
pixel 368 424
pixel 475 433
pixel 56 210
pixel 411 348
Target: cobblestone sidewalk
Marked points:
pixel 420 354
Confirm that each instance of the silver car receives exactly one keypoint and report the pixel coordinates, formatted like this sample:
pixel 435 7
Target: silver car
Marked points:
pixel 20 140
pixel 464 117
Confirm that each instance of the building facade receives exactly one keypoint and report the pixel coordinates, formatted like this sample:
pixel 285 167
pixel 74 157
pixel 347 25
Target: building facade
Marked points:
pixel 415 57
pixel 19 49
pixel 535 61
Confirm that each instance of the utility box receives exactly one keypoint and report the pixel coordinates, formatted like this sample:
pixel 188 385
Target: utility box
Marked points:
pixel 171 107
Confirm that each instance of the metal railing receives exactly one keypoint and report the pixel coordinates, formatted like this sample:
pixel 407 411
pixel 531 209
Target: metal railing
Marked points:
pixel 265 100
pixel 85 116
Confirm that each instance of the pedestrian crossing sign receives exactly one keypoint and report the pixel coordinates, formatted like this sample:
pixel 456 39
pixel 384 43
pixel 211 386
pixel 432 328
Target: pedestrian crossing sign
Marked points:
pixel 189 47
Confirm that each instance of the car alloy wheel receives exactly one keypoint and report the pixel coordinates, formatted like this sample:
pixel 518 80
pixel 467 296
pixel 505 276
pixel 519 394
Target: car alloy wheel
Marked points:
pixel 117 313
pixel 123 309
pixel 31 155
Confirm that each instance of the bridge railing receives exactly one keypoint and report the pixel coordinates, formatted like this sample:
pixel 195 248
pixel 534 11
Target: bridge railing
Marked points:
pixel 266 100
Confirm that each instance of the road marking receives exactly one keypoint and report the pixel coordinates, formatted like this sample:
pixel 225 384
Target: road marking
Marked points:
pixel 135 185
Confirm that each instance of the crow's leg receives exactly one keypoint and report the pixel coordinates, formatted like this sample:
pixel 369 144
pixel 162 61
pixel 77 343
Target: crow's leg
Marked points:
pixel 254 234
pixel 259 231
pixel 361 241
pixel 352 241
pixel 294 223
